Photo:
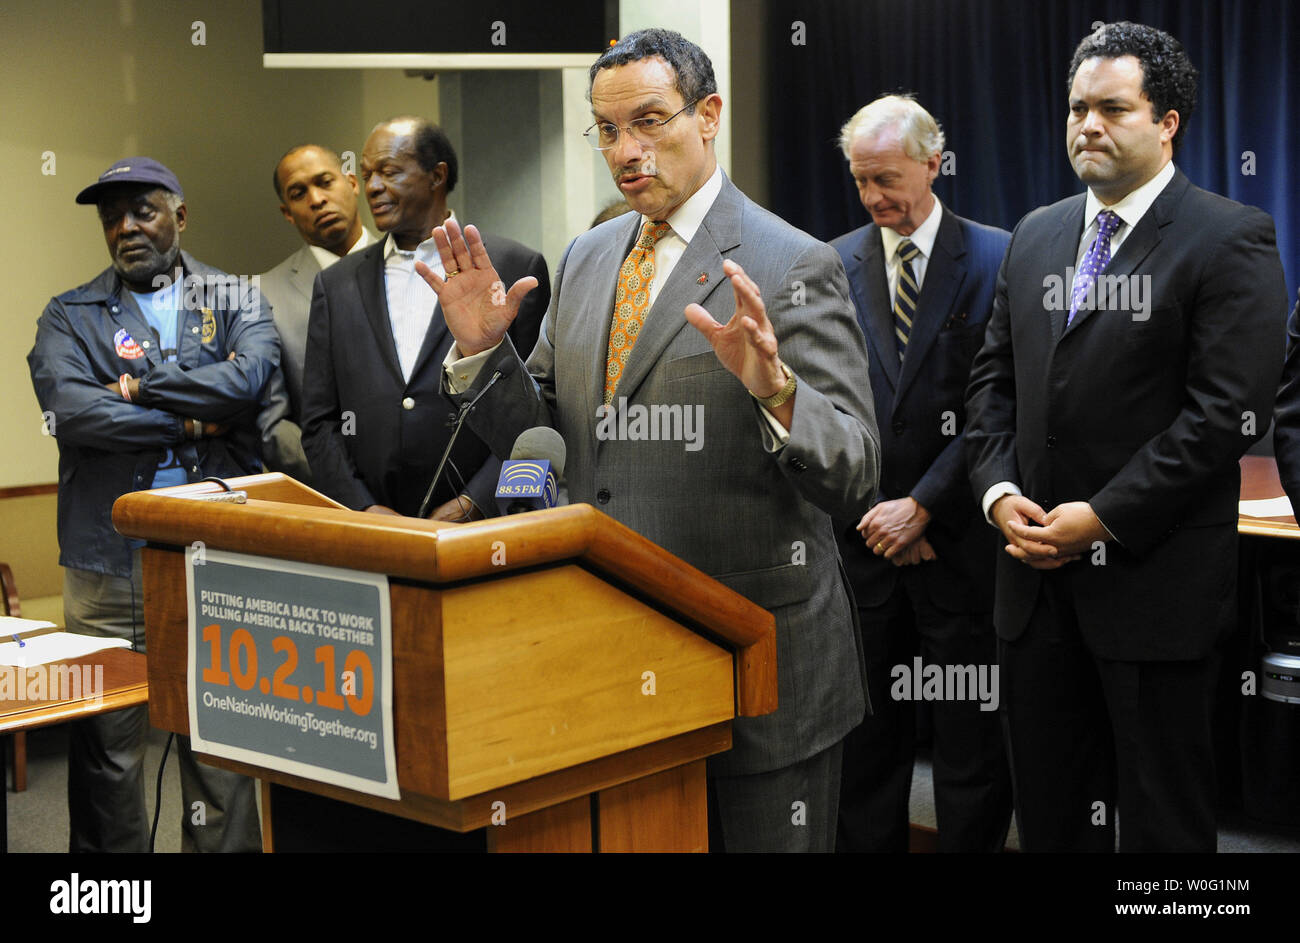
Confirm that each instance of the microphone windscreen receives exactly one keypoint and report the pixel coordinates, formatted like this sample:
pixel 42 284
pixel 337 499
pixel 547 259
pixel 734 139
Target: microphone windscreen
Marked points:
pixel 541 442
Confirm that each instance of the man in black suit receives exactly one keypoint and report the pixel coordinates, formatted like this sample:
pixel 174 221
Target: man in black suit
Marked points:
pixel 1132 357
pixel 374 423
pixel 920 559
pixel 1286 430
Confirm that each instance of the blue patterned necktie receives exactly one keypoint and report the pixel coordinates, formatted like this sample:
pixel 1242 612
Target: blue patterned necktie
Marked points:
pixel 905 295
pixel 1094 262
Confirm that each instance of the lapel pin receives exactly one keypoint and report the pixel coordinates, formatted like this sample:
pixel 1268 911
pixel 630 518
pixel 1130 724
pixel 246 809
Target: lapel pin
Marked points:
pixel 704 278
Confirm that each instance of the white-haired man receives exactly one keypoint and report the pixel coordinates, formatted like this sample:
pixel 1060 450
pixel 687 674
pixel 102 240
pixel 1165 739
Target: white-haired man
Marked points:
pixel 920 558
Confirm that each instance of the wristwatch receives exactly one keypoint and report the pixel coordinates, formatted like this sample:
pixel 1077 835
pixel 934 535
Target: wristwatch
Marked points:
pixel 781 395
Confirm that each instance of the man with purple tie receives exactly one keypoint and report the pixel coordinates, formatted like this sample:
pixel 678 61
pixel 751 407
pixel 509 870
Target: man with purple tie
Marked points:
pixel 1131 358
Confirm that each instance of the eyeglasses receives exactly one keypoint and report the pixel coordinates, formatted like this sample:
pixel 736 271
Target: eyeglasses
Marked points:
pixel 604 134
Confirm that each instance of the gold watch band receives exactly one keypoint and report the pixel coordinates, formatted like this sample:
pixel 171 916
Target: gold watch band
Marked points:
pixel 781 395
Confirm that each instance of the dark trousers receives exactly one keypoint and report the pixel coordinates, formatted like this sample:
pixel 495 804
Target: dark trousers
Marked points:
pixel 791 809
pixel 972 784
pixel 1089 737
pixel 106 804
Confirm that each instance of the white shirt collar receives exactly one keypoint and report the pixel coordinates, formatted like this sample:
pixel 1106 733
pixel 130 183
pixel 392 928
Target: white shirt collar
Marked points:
pixel 1134 206
pixel 688 217
pixel 426 251
pixel 325 258
pixel 923 238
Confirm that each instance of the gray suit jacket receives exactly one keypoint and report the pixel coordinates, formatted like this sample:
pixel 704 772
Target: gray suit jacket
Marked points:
pixel 288 288
pixel 756 520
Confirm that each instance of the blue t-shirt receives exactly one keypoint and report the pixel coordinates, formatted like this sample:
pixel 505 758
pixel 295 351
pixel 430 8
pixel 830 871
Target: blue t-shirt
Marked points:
pixel 162 309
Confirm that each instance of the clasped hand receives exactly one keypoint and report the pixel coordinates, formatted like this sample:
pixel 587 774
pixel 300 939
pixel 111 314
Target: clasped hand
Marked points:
pixel 896 530
pixel 1046 540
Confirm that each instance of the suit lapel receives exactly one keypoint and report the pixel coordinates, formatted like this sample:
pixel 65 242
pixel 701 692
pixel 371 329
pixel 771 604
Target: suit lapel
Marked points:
pixel 1061 259
pixel 718 233
pixel 305 270
pixel 944 274
pixel 870 287
pixel 374 299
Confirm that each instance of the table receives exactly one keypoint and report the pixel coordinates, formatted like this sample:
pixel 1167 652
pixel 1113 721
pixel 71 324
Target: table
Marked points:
pixel 1259 479
pixel 125 684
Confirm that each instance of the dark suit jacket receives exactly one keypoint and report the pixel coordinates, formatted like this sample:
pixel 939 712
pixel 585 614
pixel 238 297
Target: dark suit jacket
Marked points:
pixel 1142 411
pixel 921 408
pixel 397 430
pixel 756 520
pixel 1286 431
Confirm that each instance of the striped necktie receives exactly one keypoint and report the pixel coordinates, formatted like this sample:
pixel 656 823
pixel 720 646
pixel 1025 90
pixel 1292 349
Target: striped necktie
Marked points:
pixel 906 295
pixel 631 302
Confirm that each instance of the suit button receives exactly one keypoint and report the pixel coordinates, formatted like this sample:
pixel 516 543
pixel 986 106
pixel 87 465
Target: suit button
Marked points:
pixel 602 496
pixel 408 403
pixel 798 465
pixel 899 426
pixel 1051 441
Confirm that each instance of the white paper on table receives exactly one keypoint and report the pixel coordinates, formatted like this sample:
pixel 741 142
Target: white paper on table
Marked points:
pixel 56 646
pixel 11 625
pixel 1266 507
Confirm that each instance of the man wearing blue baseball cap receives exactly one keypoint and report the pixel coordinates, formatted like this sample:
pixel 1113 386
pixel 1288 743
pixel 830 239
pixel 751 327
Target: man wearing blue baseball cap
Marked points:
pixel 150 375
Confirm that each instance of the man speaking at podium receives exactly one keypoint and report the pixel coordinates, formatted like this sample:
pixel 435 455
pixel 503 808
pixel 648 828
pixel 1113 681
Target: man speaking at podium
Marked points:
pixel 787 438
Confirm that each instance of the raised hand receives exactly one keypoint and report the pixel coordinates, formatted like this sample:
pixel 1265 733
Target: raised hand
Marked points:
pixel 746 345
pixel 475 303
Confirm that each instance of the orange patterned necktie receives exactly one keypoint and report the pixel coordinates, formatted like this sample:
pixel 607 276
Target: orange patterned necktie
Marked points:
pixel 631 302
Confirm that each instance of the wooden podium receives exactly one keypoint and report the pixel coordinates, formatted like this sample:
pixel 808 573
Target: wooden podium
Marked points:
pixel 524 651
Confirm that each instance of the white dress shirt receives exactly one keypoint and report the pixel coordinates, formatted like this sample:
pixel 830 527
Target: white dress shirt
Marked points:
pixel 325 258
pixel 923 238
pixel 411 302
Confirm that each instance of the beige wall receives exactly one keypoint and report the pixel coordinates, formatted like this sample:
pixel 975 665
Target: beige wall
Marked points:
pixel 29 545
pixel 96 81
pixel 750 160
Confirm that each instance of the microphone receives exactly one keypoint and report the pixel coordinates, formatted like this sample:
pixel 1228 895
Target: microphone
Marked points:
pixel 529 478
pixel 457 421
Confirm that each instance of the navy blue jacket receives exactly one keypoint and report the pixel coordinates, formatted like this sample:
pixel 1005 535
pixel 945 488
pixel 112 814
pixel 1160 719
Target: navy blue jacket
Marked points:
pixel 921 410
pixel 108 446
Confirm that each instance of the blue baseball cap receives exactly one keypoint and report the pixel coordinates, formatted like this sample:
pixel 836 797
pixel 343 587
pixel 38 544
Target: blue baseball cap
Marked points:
pixel 132 170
